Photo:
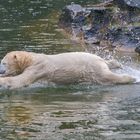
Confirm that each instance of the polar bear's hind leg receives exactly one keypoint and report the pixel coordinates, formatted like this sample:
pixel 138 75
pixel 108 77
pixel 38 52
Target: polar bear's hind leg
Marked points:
pixel 113 78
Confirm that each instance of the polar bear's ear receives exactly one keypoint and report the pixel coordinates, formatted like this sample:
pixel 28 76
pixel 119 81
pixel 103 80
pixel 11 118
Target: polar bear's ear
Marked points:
pixel 15 57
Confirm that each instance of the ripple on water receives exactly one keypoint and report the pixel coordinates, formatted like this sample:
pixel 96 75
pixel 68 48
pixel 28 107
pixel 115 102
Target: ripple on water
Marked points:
pixel 100 112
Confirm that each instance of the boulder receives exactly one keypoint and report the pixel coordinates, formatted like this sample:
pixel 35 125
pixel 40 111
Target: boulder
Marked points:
pixel 72 14
pixel 131 3
pixel 114 21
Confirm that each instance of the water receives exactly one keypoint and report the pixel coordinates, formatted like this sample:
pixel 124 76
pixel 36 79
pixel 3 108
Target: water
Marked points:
pixel 79 113
pixel 32 25
pixel 61 112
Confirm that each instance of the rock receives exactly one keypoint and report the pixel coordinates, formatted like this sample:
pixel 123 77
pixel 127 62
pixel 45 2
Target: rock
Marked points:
pixel 110 24
pixel 131 3
pixel 125 36
pixel 100 17
pixel 72 19
pixel 137 49
pixel 92 40
pixel 72 15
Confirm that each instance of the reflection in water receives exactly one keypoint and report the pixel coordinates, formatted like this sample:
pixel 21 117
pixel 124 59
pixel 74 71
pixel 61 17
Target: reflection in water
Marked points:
pixel 18 114
pixel 66 112
pixel 95 112
pixel 32 26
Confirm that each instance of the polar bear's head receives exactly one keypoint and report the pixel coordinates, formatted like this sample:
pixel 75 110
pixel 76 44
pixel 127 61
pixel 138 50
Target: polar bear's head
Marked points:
pixel 14 63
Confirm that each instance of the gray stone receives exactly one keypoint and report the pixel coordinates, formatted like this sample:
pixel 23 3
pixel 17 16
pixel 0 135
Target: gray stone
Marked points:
pixel 115 21
pixel 133 3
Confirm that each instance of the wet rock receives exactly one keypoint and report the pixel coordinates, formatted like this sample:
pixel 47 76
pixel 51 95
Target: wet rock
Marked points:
pixel 100 19
pixel 126 36
pixel 131 3
pixel 110 24
pixel 72 14
pixel 137 49
pixel 130 7
pixel 72 18
pixel 92 40
pixel 137 33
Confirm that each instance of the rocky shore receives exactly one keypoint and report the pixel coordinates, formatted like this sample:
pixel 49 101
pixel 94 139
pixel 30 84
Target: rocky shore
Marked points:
pixel 113 24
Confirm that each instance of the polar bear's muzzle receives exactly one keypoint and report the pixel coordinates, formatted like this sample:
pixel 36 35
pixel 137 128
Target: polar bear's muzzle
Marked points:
pixel 2 69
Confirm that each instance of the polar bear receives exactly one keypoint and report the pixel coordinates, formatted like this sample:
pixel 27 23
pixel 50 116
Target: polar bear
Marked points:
pixel 21 68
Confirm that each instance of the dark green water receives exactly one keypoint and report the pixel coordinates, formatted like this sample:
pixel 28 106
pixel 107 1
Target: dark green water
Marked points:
pixel 32 25
pixel 59 113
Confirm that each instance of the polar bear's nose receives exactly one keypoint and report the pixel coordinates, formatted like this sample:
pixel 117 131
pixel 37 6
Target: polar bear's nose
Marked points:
pixel 2 69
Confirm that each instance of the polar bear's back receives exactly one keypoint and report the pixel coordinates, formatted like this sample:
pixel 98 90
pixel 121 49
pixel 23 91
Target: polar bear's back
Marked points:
pixel 76 66
pixel 78 58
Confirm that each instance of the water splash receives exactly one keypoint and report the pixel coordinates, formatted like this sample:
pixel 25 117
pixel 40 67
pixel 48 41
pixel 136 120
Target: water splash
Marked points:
pixel 130 71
